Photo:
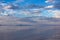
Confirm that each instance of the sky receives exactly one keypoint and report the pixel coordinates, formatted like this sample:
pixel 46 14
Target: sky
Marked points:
pixel 49 8
pixel 24 2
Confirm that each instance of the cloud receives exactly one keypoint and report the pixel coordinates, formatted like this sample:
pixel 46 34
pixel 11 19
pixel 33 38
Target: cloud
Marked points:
pixel 49 7
pixel 14 7
pixel 56 3
pixel 49 1
pixel 7 7
pixel 57 13
pixel 10 5
pixel 50 4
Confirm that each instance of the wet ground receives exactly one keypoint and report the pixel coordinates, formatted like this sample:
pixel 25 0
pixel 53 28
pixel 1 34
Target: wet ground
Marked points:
pixel 12 28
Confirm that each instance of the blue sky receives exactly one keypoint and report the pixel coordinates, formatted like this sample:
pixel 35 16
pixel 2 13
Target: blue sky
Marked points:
pixel 26 2
pixel 38 2
pixel 47 5
pixel 44 3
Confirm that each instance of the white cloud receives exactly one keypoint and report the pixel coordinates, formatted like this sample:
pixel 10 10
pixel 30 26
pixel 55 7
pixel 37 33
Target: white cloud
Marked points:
pixel 50 6
pixel 30 12
pixel 7 7
pixel 57 13
pixel 49 1
pixel 46 1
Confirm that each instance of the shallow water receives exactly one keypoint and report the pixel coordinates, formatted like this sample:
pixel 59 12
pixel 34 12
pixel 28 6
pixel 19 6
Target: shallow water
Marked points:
pixel 15 29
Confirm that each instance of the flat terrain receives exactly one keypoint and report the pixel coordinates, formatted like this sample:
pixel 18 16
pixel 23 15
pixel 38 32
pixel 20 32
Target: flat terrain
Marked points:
pixel 12 28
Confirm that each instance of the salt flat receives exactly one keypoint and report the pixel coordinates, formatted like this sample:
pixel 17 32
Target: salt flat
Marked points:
pixel 12 28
